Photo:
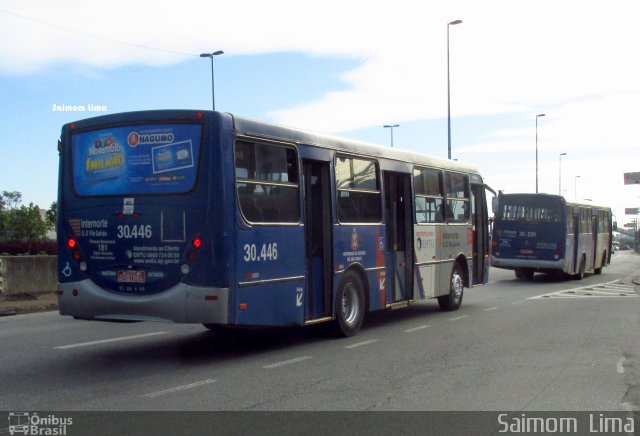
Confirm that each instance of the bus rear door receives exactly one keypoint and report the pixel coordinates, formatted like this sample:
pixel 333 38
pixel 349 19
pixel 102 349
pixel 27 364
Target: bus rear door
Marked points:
pixel 479 222
pixel 399 241
pixel 318 235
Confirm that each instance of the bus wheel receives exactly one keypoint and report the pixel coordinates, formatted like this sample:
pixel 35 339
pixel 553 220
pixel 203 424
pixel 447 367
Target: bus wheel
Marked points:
pixel 453 299
pixel 349 305
pixel 580 274
pixel 598 271
pixel 526 274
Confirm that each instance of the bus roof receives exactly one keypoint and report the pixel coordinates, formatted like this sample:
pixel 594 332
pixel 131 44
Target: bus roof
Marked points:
pixel 250 127
pixel 584 202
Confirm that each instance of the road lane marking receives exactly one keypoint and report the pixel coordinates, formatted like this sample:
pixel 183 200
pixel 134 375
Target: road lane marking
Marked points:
pixel 360 344
pixel 107 341
pixel 491 308
pixel 599 290
pixel 620 365
pixel 287 362
pixel 179 388
pixel 415 329
pixel 458 318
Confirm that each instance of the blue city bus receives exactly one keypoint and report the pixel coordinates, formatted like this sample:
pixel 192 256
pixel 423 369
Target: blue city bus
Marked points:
pixel 206 217
pixel 546 233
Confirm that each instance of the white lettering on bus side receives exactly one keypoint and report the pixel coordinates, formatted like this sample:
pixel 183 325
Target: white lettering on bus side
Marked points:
pixel 268 252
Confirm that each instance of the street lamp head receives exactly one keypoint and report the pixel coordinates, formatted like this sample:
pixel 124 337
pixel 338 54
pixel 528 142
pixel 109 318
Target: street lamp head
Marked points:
pixel 391 125
pixel 453 23
pixel 540 115
pixel 211 55
pixel 563 154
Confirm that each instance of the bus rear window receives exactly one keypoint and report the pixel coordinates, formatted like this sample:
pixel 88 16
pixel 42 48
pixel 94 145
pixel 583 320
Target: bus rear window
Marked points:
pixel 530 209
pixel 133 160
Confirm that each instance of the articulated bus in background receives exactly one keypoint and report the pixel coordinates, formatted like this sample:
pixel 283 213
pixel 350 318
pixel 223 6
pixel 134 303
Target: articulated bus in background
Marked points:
pixel 206 217
pixel 546 233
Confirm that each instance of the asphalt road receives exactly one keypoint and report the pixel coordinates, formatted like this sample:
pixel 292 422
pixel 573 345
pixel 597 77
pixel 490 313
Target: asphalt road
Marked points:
pixel 548 344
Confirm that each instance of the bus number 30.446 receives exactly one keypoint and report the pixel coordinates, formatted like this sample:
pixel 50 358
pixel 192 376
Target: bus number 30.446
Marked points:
pixel 267 252
pixel 134 232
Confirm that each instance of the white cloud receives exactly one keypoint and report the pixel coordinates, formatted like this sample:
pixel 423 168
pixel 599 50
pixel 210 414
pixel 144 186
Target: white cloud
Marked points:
pixel 506 56
pixel 574 60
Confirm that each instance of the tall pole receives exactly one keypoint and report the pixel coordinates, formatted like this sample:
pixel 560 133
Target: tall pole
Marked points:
pixel 210 56
pixel 560 172
pixel 451 23
pixel 391 126
pixel 575 187
pixel 537 116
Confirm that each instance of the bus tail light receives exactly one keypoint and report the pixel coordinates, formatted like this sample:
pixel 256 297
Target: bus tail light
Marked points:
pixel 196 242
pixel 192 255
pixel 72 243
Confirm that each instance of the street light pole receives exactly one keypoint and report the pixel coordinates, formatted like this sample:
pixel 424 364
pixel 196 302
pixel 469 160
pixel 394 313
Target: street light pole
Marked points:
pixel 575 187
pixel 537 116
pixel 391 126
pixel 451 23
pixel 210 56
pixel 560 172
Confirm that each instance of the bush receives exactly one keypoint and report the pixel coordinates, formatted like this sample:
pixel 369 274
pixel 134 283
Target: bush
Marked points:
pixel 16 248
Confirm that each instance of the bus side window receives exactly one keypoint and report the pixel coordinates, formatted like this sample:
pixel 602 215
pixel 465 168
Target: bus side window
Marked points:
pixel 358 186
pixel 457 197
pixel 429 203
pixel 267 182
pixel 248 203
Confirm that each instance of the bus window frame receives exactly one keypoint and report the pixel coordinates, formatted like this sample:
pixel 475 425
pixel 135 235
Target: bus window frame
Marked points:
pixel 466 200
pixel 440 216
pixel 377 191
pixel 266 182
pixel 68 140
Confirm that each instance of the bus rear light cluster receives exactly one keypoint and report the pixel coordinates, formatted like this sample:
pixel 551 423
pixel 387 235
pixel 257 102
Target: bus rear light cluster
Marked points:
pixel 192 255
pixel 75 252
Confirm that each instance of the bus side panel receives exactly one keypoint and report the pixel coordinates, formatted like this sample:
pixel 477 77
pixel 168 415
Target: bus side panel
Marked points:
pixel 425 246
pixel 452 241
pixel 270 276
pixel 585 250
pixel 360 245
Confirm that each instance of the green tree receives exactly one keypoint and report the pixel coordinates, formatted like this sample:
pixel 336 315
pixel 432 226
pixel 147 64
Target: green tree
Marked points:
pixel 29 225
pixel 26 223
pixel 52 213
pixel 9 201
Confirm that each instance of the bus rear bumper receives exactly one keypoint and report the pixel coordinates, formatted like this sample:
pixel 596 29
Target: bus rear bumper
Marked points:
pixel 538 265
pixel 181 304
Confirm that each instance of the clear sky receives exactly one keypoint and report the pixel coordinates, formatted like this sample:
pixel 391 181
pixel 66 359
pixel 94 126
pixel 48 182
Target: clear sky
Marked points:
pixel 345 68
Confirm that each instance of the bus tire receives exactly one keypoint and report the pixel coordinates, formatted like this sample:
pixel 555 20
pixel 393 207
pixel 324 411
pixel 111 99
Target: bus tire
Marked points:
pixel 350 305
pixel 598 271
pixel 580 273
pixel 453 300
pixel 524 273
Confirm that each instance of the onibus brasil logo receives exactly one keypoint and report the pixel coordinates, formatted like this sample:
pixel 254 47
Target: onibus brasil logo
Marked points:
pixel 32 424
